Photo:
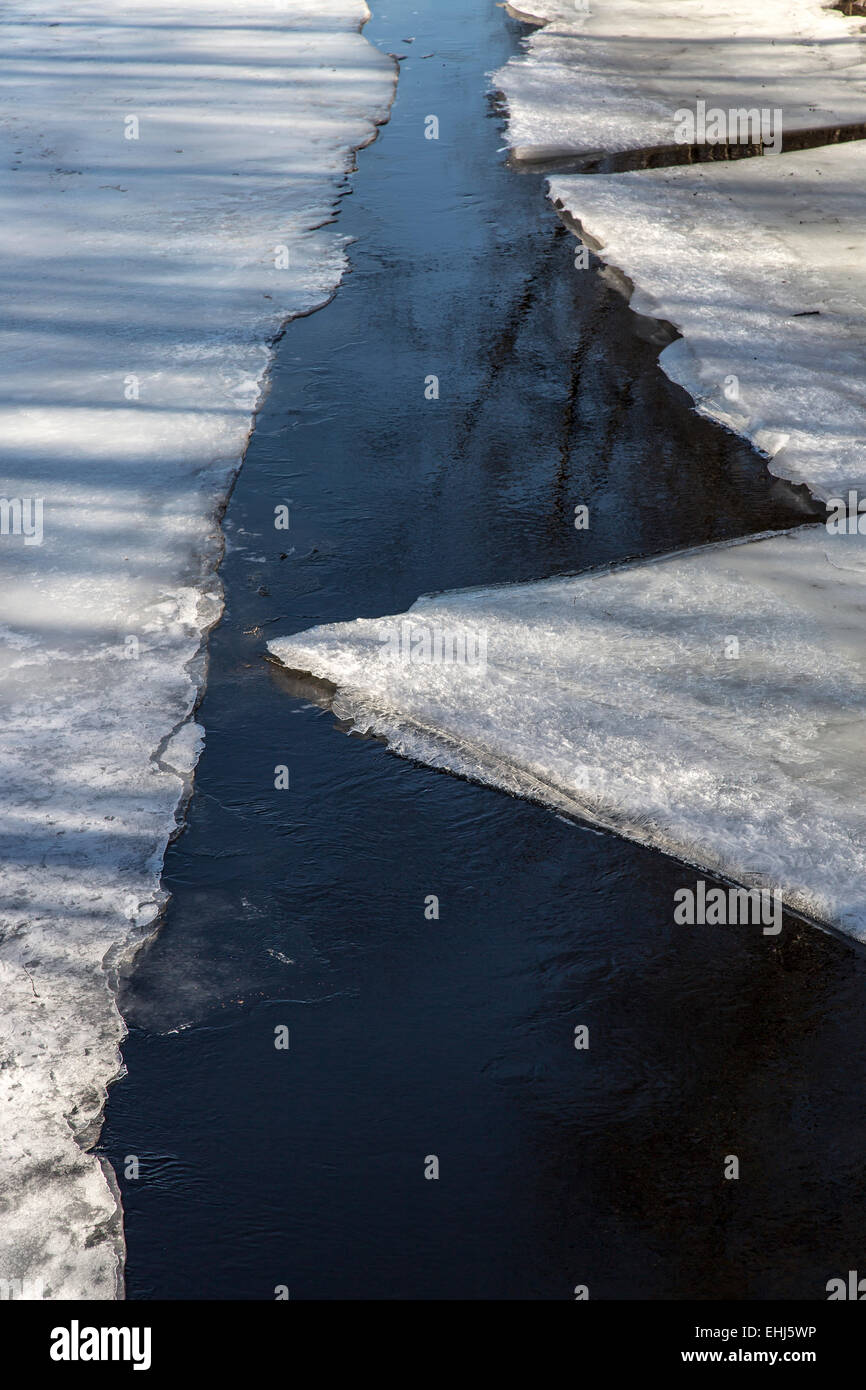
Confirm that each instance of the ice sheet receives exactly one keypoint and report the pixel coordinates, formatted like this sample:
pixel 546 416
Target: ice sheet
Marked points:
pixel 142 281
pixel 761 265
pixel 621 696
pixel 609 75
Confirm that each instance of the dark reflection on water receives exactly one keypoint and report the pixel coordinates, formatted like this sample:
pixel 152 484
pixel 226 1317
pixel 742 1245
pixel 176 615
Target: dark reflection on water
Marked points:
pixel 305 908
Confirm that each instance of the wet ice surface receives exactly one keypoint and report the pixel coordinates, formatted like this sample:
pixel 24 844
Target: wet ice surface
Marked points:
pixel 155 158
pixel 709 705
pixel 604 78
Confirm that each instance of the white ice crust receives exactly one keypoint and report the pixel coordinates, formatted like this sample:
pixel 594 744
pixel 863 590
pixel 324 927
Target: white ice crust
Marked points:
pixel 618 696
pixel 142 285
pixel 612 79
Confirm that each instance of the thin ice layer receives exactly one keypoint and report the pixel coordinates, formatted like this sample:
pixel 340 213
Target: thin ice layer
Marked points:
pixel 761 265
pixel 609 75
pixel 165 168
pixel 710 704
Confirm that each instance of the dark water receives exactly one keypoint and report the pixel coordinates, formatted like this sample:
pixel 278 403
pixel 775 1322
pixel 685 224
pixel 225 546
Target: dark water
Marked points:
pixel 305 908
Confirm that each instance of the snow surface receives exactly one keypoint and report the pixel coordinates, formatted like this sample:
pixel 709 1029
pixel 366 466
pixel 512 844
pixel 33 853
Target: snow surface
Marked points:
pixel 130 266
pixel 761 265
pixel 613 80
pixel 614 696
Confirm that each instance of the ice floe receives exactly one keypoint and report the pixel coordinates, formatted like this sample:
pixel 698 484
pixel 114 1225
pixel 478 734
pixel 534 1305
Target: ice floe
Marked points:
pixel 709 703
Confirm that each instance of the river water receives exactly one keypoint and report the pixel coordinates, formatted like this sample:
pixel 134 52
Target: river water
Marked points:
pixel 304 1167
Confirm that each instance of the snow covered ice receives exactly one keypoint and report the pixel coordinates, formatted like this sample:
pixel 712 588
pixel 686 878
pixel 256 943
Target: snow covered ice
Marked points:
pixel 169 171
pixel 709 704
pixel 607 77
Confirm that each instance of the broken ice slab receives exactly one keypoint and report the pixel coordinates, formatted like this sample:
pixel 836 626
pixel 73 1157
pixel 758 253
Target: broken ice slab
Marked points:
pixel 710 703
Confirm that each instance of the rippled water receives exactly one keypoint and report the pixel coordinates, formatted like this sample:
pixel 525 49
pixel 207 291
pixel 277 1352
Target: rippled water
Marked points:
pixel 305 908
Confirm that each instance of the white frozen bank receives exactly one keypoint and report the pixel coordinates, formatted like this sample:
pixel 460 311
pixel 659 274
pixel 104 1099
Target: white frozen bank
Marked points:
pixel 169 171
